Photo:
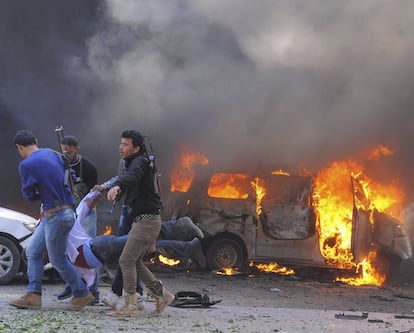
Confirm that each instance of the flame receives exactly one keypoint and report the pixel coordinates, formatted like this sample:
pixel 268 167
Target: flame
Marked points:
pixel 379 151
pixel 280 172
pixel 108 230
pixel 333 201
pixel 368 274
pixel 168 261
pixel 260 193
pixel 182 174
pixel 228 271
pixel 275 268
pixel 228 185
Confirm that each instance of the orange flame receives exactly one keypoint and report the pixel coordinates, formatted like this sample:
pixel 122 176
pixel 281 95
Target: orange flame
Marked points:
pixel 260 193
pixel 168 261
pixel 368 274
pixel 228 271
pixel 275 268
pixel 379 151
pixel 228 185
pixel 182 174
pixel 333 202
pixel 108 230
pixel 280 172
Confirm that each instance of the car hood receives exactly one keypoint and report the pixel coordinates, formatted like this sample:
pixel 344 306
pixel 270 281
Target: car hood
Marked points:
pixel 10 214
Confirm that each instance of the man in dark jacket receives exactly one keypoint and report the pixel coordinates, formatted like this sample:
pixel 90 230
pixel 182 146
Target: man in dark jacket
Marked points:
pixel 143 204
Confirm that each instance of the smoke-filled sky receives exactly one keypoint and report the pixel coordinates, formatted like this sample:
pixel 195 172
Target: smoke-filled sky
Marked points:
pixel 261 83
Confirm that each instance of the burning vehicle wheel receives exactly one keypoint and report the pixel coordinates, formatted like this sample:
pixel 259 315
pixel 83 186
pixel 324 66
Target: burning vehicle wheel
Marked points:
pixel 9 260
pixel 224 253
pixel 389 265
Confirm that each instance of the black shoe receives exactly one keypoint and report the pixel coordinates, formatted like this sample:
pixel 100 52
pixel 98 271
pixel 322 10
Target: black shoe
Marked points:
pixel 95 298
pixel 66 293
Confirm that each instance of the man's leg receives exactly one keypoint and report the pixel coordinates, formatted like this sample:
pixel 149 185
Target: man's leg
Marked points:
pixel 89 225
pixel 184 250
pixel 112 298
pixel 141 236
pixel 182 229
pixel 123 228
pixel 57 228
pixel 108 248
pixel 34 254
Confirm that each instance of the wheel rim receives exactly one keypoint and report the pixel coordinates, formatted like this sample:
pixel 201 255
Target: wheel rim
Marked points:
pixel 6 260
pixel 226 256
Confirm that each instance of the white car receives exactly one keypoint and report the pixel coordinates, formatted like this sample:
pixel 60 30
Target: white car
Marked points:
pixel 15 231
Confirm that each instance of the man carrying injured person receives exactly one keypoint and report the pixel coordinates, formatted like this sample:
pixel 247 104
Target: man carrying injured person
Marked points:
pixel 180 239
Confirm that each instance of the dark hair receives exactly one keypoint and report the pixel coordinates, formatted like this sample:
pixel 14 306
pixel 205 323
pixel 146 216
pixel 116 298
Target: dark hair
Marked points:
pixel 70 140
pixel 136 137
pixel 25 138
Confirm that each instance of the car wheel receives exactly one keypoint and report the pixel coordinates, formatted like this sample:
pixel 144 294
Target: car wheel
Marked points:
pixel 388 265
pixel 9 260
pixel 224 253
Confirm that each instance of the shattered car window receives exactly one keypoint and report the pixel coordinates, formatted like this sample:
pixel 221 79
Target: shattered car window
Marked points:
pixel 229 186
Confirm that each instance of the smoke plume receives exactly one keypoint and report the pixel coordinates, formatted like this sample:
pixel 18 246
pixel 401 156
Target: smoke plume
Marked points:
pixel 251 84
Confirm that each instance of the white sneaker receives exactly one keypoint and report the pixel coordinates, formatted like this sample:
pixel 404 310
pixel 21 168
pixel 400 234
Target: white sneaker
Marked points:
pixel 111 299
pixel 141 302
pixel 121 302
pixel 148 296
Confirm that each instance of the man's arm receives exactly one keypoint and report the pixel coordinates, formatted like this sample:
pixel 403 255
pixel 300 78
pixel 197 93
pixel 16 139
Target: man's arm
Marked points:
pixel 29 185
pixel 135 172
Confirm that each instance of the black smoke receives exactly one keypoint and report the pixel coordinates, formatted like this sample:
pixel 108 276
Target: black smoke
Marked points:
pixel 250 84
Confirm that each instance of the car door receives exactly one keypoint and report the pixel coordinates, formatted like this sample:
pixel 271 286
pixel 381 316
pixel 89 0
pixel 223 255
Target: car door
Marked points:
pixel 287 223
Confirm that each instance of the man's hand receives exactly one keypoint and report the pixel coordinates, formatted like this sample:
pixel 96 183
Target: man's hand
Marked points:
pixel 99 188
pixel 113 192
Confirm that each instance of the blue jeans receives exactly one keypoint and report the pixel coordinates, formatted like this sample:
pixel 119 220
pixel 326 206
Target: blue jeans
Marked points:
pixel 52 235
pixel 89 225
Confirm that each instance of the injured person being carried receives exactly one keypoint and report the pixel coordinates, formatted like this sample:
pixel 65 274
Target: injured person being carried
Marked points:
pixel 178 239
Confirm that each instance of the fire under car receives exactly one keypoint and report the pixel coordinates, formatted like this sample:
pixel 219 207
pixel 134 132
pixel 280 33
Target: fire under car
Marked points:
pixel 277 219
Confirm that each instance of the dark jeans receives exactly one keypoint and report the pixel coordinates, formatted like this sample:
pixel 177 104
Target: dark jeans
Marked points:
pixel 124 227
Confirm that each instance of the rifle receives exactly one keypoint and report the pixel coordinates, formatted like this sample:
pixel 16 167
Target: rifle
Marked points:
pixel 68 181
pixel 152 165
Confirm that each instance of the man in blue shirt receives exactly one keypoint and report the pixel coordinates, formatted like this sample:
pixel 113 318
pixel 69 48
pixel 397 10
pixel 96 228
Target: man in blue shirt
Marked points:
pixel 42 174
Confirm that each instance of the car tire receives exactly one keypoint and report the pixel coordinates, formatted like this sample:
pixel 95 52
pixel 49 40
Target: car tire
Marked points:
pixel 224 253
pixel 9 260
pixel 388 265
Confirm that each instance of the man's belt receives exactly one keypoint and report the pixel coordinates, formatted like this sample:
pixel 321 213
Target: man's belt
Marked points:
pixel 52 211
pixel 146 217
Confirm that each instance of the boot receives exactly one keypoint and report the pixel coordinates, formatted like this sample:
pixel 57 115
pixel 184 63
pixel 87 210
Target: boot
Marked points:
pixel 162 301
pixel 78 303
pixel 128 306
pixel 182 229
pixel 28 301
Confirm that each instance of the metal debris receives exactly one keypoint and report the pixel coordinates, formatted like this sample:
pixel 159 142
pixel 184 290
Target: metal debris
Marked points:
pixel 364 315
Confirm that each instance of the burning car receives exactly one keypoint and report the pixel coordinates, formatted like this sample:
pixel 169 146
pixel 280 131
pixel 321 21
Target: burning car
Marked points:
pixel 292 220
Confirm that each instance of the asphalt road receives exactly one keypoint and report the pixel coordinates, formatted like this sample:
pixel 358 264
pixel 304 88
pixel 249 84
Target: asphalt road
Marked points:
pixel 249 303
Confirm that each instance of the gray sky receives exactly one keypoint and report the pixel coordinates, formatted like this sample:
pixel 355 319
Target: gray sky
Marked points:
pixel 251 84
